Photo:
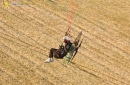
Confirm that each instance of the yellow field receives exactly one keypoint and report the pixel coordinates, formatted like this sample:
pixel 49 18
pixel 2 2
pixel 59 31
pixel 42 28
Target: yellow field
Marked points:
pixel 30 29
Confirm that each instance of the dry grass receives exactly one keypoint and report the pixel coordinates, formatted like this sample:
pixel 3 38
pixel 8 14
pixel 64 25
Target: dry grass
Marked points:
pixel 28 31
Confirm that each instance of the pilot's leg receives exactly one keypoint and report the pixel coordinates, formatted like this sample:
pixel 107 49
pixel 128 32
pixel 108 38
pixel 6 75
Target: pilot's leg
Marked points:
pixel 51 54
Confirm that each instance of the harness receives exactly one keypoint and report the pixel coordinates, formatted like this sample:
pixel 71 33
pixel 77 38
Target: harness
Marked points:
pixel 70 48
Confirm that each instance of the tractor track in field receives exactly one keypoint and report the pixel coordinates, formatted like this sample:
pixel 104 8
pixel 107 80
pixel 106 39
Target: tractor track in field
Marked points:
pixel 104 53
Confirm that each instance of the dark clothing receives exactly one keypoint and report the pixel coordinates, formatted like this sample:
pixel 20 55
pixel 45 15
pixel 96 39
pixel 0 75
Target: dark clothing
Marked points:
pixel 61 52
pixel 52 52
pixel 67 46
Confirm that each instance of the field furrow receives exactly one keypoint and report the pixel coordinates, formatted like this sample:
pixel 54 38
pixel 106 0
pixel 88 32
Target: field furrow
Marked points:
pixel 28 29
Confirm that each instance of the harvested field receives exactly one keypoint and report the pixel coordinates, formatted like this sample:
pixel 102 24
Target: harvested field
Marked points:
pixel 29 28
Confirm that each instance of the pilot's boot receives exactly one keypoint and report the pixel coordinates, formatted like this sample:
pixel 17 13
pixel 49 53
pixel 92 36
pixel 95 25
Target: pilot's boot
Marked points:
pixel 49 60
